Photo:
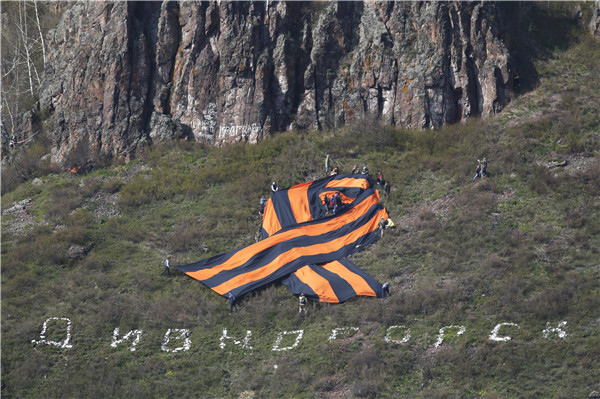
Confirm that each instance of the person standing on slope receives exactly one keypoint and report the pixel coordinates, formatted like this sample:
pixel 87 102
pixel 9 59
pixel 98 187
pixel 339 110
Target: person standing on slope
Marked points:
pixel 302 303
pixel 167 267
pixel 232 304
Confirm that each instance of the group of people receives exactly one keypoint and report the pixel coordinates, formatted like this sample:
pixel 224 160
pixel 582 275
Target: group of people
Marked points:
pixel 365 170
pixel 333 204
pixel 381 182
pixel 329 171
pixel 386 224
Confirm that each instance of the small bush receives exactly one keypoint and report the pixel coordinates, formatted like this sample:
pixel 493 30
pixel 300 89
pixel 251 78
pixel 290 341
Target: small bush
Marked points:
pixel 590 177
pixel 576 218
pixel 369 132
pixel 26 280
pixel 428 223
pixel 40 247
pixel 92 263
pixel 364 389
pixel 186 237
pixel 24 166
pixel 76 234
pixel 435 393
pixel 494 263
pixel 429 299
pixel 512 294
pixel 128 231
pixel 138 192
pixel 63 200
pixel 80 217
pixel 30 368
pixel 553 302
pixel 112 185
pixel 90 185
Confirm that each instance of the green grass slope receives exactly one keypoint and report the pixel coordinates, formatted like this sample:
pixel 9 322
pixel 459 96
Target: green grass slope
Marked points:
pixel 519 247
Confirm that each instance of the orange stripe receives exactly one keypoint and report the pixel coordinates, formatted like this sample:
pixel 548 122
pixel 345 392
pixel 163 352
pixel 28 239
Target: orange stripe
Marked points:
pixel 270 221
pixel 317 283
pixel 292 254
pixel 244 254
pixel 298 196
pixel 359 285
pixel 349 182
pixel 345 199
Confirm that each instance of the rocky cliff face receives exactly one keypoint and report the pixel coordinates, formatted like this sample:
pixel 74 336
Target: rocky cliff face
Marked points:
pixel 595 22
pixel 123 74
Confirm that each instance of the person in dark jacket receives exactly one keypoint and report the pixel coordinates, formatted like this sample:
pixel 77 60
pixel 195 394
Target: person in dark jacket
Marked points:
pixel 385 290
pixel 302 303
pixel 263 203
pixel 386 189
pixel 232 304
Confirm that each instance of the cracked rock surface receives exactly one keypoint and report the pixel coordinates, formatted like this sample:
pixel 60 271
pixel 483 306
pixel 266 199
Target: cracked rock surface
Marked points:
pixel 123 74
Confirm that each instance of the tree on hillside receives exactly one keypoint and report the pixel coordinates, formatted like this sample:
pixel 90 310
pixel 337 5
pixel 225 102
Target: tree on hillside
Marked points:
pixel 22 55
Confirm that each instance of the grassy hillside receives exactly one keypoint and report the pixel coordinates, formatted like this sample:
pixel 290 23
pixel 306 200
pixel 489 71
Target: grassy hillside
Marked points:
pixel 520 246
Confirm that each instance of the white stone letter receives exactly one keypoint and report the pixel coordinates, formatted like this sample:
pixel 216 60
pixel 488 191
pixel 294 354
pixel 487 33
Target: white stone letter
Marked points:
pixel 335 331
pixel 116 341
pixel 184 334
pixel 494 335
pixel 404 340
pixel 245 343
pixel 558 330
pixel 438 343
pixel 280 337
pixel 64 344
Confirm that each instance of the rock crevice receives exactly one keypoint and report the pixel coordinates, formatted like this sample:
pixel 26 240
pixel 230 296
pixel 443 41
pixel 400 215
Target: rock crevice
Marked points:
pixel 121 75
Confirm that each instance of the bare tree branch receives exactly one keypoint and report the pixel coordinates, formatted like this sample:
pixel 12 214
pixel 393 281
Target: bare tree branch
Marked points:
pixel 43 44
pixel 23 29
pixel 10 115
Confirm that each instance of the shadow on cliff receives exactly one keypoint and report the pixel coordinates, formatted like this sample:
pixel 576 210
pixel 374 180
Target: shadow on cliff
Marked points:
pixel 536 30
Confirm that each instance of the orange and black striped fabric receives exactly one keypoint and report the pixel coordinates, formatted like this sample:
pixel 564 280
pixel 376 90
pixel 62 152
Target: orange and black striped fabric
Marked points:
pixel 299 237
pixel 332 282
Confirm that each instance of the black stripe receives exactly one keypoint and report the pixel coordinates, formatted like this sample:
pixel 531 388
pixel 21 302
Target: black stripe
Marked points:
pixel 342 289
pixel 375 285
pixel 319 186
pixel 291 267
pixel 219 259
pixel 283 208
pixel 297 287
pixel 317 209
pixel 268 255
pixel 207 263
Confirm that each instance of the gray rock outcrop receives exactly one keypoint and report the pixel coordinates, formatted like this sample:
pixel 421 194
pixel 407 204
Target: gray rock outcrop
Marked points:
pixel 595 21
pixel 123 74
